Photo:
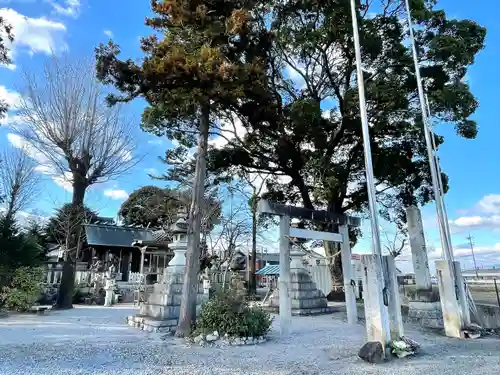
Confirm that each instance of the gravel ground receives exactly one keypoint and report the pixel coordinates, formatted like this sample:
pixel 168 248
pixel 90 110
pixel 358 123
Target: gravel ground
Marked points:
pixel 96 340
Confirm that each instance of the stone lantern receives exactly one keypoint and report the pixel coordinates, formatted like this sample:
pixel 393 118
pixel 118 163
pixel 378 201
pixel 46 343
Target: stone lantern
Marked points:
pixel 179 243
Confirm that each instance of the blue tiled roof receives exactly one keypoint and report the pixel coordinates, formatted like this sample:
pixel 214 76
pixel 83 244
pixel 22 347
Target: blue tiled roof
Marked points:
pixel 269 270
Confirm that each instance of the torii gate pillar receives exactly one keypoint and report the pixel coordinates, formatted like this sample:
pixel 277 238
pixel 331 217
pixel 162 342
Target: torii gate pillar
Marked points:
pixel 285 213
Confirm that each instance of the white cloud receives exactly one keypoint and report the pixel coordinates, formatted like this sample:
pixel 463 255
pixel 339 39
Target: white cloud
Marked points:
pixel 486 214
pixel 35 35
pixel 44 164
pixel 228 130
pixel 490 204
pixel 10 97
pixel 125 155
pixel 155 142
pixel 108 33
pixel 116 194
pixel 65 181
pixel 68 8
pixel 24 218
pixel 152 171
pixel 468 222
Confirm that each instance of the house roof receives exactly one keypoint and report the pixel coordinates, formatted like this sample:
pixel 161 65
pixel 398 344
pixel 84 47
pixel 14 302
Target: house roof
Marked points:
pixel 116 236
pixel 269 270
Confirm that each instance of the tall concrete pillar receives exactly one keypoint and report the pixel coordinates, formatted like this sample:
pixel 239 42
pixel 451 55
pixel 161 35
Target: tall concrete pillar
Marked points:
pixel 394 300
pixel 452 316
pixel 418 252
pixel 376 315
pixel 461 294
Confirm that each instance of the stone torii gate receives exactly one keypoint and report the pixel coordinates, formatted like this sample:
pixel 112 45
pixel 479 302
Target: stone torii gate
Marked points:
pixel 286 213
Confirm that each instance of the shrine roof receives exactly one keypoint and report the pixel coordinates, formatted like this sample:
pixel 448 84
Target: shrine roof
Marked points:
pixel 116 236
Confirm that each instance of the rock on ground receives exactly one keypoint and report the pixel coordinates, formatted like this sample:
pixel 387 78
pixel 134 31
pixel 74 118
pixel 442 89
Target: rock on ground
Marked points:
pixel 97 341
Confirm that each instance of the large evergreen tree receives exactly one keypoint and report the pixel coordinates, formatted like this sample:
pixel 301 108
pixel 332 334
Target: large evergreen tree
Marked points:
pixel 205 58
pixel 313 138
pixel 155 207
pixel 17 249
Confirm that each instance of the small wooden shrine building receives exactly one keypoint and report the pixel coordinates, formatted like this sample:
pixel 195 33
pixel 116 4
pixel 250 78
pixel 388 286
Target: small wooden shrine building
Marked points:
pixel 121 241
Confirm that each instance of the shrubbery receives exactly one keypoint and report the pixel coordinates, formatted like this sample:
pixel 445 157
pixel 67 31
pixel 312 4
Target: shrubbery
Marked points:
pixel 23 290
pixel 230 313
pixel 20 276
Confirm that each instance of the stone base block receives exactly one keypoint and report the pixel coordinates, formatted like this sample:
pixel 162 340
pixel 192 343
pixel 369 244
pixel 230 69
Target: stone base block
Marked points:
pixel 427 314
pixel 161 310
pixel 147 324
pixel 303 312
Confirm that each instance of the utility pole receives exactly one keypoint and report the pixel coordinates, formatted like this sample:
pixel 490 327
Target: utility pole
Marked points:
pixel 470 238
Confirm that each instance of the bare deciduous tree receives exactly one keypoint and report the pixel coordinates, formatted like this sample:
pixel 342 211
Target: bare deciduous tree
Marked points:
pixel 231 234
pixel 394 243
pixel 74 134
pixel 18 180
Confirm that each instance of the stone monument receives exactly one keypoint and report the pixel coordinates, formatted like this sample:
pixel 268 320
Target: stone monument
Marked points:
pixel 307 299
pixel 160 312
pixel 424 306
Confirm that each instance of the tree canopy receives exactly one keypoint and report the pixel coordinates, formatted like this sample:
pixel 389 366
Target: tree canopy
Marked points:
pixel 155 207
pixel 313 150
pixel 307 137
pixel 284 73
pixel 211 53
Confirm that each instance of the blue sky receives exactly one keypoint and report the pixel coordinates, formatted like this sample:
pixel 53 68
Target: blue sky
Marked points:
pixel 45 26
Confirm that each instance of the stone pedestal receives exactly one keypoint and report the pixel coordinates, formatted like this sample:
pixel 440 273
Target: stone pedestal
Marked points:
pixel 376 313
pixel 426 314
pixel 160 312
pixel 305 297
pixel 452 315
pixel 424 307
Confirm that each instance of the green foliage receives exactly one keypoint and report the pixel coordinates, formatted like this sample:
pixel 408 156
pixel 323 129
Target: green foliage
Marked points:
pixel 17 248
pixel 154 207
pixel 228 312
pixel 202 54
pixel 23 290
pixel 321 152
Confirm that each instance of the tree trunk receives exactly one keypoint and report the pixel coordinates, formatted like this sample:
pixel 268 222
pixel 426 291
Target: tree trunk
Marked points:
pixel 190 287
pixel 67 286
pixel 253 265
pixel 337 275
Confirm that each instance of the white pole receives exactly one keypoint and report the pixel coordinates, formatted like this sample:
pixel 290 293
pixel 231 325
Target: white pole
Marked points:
pixel 370 181
pixel 378 330
pixel 446 244
pixel 438 169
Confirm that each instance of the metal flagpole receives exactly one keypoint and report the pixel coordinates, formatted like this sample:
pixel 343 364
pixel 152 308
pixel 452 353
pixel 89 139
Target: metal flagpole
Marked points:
pixel 445 242
pixel 438 169
pixel 370 181
pixel 374 308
